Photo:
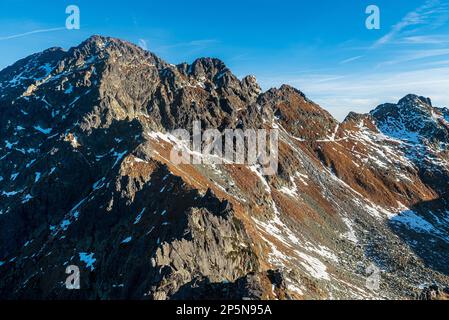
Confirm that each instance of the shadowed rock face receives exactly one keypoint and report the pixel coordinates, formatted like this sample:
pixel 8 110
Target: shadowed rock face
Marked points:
pixel 413 118
pixel 86 180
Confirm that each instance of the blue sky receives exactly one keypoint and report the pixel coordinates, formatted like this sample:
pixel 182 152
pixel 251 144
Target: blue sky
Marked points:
pixel 322 47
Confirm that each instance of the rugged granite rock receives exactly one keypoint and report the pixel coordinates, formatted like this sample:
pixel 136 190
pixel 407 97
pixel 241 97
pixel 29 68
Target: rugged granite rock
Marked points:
pixel 433 292
pixel 86 179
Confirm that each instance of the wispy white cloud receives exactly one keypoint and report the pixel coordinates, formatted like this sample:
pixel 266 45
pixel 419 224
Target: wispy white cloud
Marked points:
pixel 426 39
pixel 350 59
pixel 330 78
pixel 202 43
pixel 20 35
pixel 432 13
pixel 143 44
pixel 436 63
pixel 364 91
pixel 187 48
pixel 415 55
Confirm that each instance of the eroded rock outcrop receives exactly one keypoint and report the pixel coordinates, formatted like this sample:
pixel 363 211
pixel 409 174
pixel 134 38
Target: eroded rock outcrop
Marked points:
pixel 86 179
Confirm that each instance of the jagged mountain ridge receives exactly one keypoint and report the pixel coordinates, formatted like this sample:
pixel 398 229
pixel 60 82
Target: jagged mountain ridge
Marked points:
pixel 87 180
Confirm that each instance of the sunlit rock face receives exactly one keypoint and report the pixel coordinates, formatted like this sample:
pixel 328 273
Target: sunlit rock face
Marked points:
pixel 86 179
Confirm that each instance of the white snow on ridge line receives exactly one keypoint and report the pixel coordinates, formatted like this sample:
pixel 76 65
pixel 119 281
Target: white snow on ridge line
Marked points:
pixel 65 224
pixel 119 156
pixel 27 198
pixel 127 240
pixel 314 266
pixel 139 217
pixel 322 251
pixel 183 146
pixel 293 191
pixel 374 210
pixel 69 89
pixel 350 235
pixel 283 234
pixel 42 130
pixel 255 169
pixel 99 184
pixel 293 287
pixel 417 223
pixel 88 259
pixel 10 194
pixel 10 145
pixel 163 136
pixel 331 138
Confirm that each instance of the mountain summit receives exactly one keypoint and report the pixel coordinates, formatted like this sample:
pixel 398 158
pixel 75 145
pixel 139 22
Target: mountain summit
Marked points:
pixel 86 180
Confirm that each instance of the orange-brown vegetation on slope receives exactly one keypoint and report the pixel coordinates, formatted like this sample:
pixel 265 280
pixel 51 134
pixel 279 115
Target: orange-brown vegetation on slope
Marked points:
pixel 137 169
pixel 353 122
pixel 377 184
pixel 295 208
pixel 245 180
pixel 298 115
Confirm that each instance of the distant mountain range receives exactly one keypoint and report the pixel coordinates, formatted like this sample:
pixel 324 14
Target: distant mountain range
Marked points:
pixel 86 179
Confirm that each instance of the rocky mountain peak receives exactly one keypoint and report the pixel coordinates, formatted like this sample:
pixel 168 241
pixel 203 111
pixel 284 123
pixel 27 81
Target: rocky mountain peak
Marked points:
pixel 86 179
pixel 445 112
pixel 100 48
pixel 413 119
pixel 250 84
pixel 97 43
pixel 415 100
pixel 209 67
pixel 410 104
pixel 297 114
pixel 357 118
pixel 285 90
pixel 213 70
pixel 353 116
